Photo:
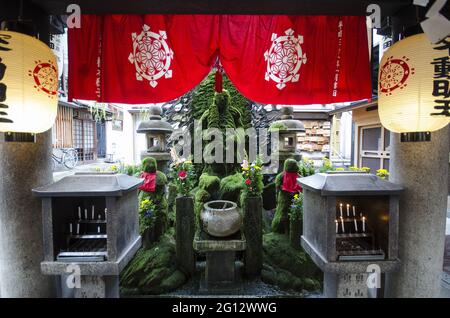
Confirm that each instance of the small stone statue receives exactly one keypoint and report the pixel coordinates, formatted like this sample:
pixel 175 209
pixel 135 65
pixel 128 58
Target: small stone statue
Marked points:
pixel 154 188
pixel 287 187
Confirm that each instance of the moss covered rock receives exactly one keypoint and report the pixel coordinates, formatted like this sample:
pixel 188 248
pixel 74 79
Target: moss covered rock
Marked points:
pixel 231 187
pixel 287 267
pixel 210 184
pixel 153 271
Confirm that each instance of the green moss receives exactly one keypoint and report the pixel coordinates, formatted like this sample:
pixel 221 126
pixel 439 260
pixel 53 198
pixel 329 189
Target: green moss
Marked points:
pixel 231 187
pixel 149 165
pixel 291 165
pixel 287 267
pixel 209 183
pixel 153 271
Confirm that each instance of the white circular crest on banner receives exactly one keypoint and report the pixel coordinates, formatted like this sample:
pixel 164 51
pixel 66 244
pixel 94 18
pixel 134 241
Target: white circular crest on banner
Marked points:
pixel 284 58
pixel 151 55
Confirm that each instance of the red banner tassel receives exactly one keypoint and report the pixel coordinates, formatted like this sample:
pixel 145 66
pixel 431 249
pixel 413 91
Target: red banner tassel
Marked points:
pixel 219 82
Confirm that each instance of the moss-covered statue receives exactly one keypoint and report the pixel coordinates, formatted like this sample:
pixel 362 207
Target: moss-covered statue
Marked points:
pixel 153 208
pixel 287 187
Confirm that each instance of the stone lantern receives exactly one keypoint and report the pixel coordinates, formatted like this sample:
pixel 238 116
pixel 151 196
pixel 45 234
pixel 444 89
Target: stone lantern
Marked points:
pixel 156 131
pixel 288 128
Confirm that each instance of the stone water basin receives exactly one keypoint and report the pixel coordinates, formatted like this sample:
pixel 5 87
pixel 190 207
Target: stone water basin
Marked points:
pixel 221 218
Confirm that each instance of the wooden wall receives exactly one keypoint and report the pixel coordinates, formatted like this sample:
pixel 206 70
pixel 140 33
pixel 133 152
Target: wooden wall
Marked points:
pixel 62 129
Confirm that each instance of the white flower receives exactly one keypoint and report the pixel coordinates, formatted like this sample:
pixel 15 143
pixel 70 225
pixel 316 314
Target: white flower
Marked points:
pixel 245 164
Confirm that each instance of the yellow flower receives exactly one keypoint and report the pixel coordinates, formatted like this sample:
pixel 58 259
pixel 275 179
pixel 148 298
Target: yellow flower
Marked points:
pixel 257 168
pixel 245 169
pixel 296 196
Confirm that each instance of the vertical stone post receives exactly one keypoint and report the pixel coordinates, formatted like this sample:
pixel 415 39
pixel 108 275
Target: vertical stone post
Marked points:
pixel 253 235
pixel 422 169
pixel 185 231
pixel 23 166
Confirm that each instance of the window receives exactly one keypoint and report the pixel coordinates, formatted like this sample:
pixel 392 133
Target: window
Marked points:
pixel 374 150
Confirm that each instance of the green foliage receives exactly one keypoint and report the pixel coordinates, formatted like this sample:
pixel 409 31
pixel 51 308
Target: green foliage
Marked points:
pixel 306 167
pixel 149 165
pixel 147 214
pixel 183 176
pixel 253 183
pixel 296 210
pixel 327 165
pixel 153 271
pixel 287 267
pixel 382 173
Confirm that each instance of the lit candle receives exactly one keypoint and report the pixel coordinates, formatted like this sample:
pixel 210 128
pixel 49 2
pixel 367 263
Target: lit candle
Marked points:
pixel 93 212
pixel 78 228
pixel 85 214
pixel 70 228
pixel 356 224
pixel 340 208
pixel 342 225
pixel 337 226
pixel 364 224
pixel 348 209
pixel 98 229
pixel 99 217
pixel 79 213
pixel 354 211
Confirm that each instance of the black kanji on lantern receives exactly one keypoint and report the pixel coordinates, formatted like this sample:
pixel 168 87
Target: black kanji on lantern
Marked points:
pixel 4 43
pixel 441 67
pixel 441 88
pixel 3 114
pixel 445 107
pixel 444 45
pixel 441 83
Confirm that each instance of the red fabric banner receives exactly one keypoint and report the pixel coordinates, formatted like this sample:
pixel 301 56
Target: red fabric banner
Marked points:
pixel 84 59
pixel 155 58
pixel 296 60
pixel 270 59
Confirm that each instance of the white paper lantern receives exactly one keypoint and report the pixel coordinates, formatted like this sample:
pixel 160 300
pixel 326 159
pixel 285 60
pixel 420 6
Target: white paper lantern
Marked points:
pixel 406 82
pixel 28 84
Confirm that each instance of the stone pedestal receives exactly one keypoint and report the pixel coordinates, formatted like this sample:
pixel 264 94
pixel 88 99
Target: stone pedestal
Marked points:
pixel 253 234
pixel 220 258
pixel 422 169
pixel 220 267
pixel 185 231
pixel 89 287
pixel 23 166
pixel 347 286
